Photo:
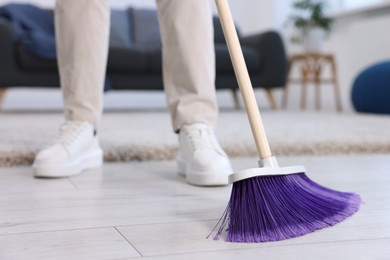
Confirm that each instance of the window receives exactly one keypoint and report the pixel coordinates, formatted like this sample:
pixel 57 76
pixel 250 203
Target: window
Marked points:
pixel 352 6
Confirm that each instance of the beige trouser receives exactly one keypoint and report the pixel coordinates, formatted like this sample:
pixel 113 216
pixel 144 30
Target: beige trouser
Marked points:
pixel 82 30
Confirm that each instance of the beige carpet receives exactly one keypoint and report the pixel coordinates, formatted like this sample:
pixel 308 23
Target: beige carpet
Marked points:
pixel 147 135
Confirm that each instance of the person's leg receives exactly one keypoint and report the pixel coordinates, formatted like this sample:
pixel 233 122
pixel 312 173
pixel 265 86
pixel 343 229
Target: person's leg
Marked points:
pixel 82 34
pixel 189 81
pixel 188 61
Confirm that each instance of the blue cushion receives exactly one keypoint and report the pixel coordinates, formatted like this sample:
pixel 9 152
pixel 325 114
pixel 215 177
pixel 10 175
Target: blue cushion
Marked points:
pixel 371 89
pixel 120 30
pixel 146 30
pixel 34 28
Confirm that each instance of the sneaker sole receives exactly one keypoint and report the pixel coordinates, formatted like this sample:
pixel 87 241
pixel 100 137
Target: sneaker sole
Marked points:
pixel 75 167
pixel 216 177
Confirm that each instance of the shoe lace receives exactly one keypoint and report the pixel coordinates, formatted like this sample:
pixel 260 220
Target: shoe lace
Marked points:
pixel 68 133
pixel 201 139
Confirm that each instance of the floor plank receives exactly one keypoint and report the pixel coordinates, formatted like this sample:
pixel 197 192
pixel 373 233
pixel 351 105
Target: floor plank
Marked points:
pixel 102 243
pixel 19 179
pixel 132 212
pixel 346 250
pixel 189 237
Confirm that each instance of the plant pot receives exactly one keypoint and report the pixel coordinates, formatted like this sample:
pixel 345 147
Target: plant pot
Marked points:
pixel 313 38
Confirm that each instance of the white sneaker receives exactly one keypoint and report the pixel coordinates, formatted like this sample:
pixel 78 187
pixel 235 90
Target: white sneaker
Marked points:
pixel 200 158
pixel 74 150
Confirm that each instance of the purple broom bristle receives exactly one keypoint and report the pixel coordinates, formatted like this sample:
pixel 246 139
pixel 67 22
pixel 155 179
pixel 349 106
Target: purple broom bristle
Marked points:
pixel 272 208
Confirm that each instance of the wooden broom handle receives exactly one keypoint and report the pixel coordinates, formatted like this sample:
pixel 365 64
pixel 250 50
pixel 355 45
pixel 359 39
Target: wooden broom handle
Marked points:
pixel 243 79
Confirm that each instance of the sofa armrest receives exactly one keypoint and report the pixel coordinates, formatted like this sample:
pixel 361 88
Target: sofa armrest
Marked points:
pixel 273 56
pixel 7 52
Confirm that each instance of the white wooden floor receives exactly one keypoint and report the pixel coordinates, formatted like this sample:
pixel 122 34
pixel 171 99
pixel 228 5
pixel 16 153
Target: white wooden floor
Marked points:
pixel 142 209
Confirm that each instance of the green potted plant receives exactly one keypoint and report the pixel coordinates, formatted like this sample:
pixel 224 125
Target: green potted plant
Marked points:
pixel 310 23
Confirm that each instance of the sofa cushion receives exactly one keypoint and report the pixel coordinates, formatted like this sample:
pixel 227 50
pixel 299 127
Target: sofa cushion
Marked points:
pixel 127 59
pixel 131 59
pixel 146 30
pixel 218 32
pixel 120 59
pixel 120 29
pixel 32 62
pixel 155 60
pixel 224 64
pixel 145 26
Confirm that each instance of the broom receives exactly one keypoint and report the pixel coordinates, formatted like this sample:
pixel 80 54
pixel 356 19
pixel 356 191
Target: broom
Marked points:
pixel 272 203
